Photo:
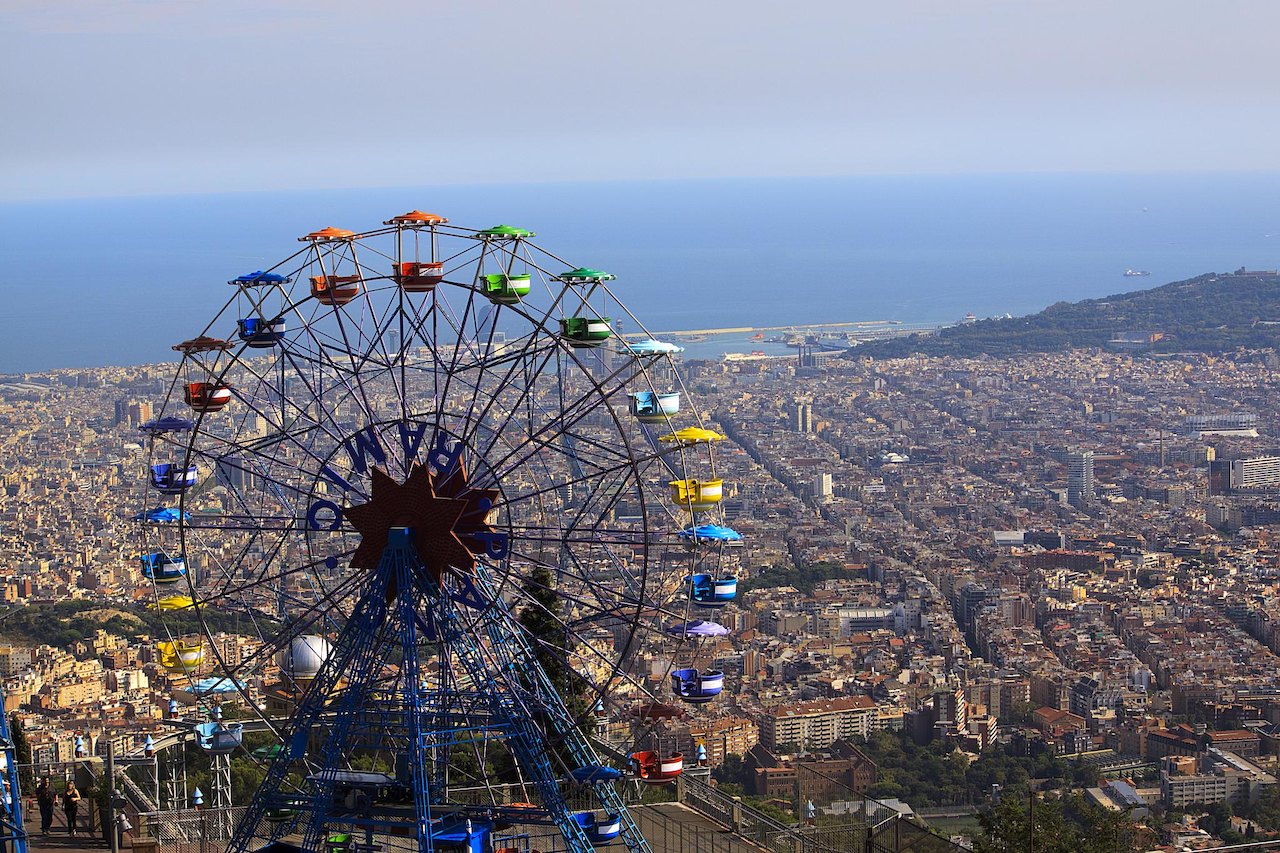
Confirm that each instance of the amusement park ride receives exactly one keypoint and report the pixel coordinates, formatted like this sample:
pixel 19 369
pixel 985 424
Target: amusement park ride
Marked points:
pixel 452 503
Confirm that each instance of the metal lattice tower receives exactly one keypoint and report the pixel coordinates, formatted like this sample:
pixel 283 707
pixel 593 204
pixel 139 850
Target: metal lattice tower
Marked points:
pixel 13 832
pixel 462 678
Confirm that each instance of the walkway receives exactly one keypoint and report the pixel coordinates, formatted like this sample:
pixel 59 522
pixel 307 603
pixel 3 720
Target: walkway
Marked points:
pixel 675 827
pixel 58 840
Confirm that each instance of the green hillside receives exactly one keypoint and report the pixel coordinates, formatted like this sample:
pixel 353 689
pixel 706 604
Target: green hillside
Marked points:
pixel 1212 313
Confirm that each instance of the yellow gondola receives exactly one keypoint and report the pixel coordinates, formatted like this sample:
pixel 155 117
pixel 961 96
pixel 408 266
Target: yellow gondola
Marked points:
pixel 696 495
pixel 181 656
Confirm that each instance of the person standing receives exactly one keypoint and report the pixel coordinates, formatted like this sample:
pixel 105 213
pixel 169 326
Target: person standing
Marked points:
pixel 44 799
pixel 71 805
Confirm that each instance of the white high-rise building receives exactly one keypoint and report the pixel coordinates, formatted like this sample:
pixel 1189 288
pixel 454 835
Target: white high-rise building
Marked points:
pixel 1080 477
pixel 822 486
pixel 802 419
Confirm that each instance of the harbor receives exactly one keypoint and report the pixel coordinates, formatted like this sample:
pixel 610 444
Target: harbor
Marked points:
pixel 781 340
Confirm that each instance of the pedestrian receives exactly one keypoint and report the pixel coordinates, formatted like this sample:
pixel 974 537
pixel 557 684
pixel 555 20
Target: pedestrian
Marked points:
pixel 71 805
pixel 44 799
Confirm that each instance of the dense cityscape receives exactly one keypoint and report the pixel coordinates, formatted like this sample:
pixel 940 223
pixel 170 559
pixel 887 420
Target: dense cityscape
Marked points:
pixel 1059 556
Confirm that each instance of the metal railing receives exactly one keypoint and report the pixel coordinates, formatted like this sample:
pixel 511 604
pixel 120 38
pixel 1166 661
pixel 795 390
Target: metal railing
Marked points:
pixel 188 830
pixel 717 823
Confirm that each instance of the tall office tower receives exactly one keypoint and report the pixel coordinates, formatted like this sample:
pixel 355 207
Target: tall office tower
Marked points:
pixel 1080 477
pixel 803 418
pixel 139 412
pixel 822 486
pixel 233 474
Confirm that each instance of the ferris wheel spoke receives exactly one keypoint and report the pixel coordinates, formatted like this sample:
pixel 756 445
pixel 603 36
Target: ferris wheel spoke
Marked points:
pixel 458 325
pixel 301 622
pixel 549 350
pixel 212 586
pixel 569 415
pixel 375 340
pixel 359 389
pixel 602 510
pixel 557 535
pixel 584 651
pixel 316 392
pixel 338 316
pixel 617 607
pixel 485 362
pixel 418 319
pixel 348 584
pixel 228 459
pixel 263 406
pixel 519 363
pixel 560 485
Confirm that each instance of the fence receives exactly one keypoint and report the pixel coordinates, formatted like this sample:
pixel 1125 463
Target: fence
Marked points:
pixel 187 830
pixel 703 821
pixel 903 836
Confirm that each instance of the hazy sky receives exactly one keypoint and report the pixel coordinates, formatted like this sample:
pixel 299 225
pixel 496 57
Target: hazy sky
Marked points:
pixel 115 97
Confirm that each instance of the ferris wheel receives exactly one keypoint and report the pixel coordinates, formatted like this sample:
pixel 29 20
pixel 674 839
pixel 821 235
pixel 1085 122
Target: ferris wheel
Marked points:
pixel 417 502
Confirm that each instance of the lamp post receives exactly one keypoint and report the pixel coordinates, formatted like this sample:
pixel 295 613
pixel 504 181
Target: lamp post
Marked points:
pixel 197 798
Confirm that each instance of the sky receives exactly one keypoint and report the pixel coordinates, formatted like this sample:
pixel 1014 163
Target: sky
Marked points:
pixel 102 98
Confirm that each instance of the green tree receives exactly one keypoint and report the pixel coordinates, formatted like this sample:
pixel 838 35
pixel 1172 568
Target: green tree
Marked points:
pixel 540 617
pixel 1018 824
pixel 547 633
pixel 1084 774
pixel 1021 823
pixel 1103 830
pixel 1020 713
pixel 246 778
pixel 732 770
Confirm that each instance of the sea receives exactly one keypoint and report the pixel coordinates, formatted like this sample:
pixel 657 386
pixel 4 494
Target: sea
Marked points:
pixel 92 282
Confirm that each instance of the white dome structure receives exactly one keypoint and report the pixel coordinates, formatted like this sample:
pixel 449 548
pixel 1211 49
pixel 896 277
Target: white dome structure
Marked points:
pixel 304 656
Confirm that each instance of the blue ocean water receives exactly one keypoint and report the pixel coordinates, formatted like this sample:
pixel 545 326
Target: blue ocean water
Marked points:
pixel 117 281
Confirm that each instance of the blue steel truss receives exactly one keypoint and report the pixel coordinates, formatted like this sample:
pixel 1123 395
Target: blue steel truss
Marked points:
pixel 13 832
pixel 422 673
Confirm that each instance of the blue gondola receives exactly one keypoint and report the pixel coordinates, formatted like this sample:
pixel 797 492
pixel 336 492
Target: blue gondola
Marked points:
pixel 161 568
pixel 168 424
pixel 161 515
pixel 471 835
pixel 711 533
pixel 599 832
pixel 262 334
pixel 258 278
pixel 689 685
pixel 654 407
pixel 219 738
pixel 591 773
pixel 173 479
pixel 711 591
